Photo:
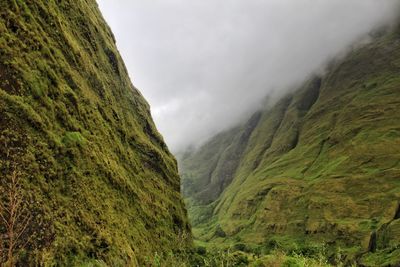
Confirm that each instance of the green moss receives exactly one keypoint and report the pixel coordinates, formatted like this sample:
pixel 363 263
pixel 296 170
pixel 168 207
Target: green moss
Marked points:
pixel 73 139
pixel 102 170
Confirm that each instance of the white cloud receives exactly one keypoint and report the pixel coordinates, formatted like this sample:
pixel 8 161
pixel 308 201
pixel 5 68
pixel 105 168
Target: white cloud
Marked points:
pixel 203 65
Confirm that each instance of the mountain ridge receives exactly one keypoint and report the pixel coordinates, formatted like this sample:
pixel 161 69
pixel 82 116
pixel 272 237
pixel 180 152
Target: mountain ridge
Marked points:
pixel 301 179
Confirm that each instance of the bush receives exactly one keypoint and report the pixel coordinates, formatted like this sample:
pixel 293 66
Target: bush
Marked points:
pixel 219 232
pixel 292 263
pixel 241 247
pixel 201 250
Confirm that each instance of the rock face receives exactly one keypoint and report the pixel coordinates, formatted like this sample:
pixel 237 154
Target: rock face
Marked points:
pixel 100 180
pixel 320 166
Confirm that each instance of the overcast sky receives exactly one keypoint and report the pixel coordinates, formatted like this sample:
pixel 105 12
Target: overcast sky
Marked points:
pixel 203 65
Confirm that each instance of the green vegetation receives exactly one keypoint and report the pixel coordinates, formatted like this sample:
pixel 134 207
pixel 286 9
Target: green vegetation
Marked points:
pixel 321 166
pixel 95 169
pixel 73 138
pixel 235 256
pixel 309 181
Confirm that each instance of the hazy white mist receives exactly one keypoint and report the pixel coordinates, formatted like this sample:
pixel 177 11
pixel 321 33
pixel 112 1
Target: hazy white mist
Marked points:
pixel 204 65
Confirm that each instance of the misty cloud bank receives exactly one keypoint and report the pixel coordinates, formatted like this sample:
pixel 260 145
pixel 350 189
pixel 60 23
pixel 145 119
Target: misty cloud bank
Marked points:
pixel 205 65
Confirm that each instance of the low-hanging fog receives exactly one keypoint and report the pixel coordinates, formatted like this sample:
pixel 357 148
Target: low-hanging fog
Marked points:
pixel 205 65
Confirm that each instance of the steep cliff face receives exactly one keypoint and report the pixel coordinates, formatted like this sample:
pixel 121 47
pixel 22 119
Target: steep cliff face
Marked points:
pixel 99 178
pixel 320 166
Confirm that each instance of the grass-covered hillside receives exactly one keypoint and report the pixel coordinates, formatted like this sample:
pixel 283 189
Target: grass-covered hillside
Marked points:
pixel 85 176
pixel 317 171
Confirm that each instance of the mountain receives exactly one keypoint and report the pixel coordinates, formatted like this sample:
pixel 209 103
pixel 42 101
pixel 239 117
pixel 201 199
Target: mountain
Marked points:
pixel 86 177
pixel 318 171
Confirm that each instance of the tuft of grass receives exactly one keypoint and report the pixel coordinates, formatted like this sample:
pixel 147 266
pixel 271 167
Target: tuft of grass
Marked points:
pixel 215 257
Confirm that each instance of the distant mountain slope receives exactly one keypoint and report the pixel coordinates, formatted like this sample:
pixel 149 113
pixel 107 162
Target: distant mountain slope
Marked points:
pixel 101 182
pixel 322 166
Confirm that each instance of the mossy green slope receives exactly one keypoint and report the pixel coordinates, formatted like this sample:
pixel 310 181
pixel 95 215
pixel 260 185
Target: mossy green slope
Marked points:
pixel 93 160
pixel 321 166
